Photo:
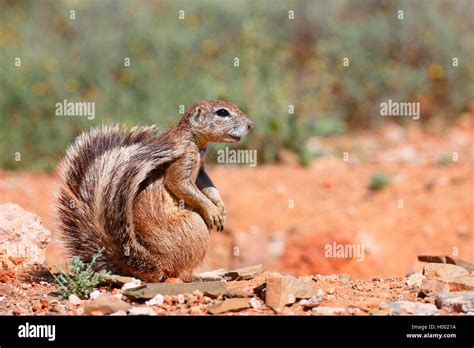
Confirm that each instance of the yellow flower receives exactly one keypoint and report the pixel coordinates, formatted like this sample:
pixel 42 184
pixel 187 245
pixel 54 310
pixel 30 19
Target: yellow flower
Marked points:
pixel 91 93
pixel 210 47
pixel 51 65
pixel 192 20
pixel 435 72
pixel 41 88
pixel 125 76
pixel 71 85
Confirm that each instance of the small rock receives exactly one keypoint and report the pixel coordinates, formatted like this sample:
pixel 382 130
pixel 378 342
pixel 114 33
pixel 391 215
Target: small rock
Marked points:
pixel 150 290
pixel 283 290
pixel 331 291
pixel 255 303
pixel 414 280
pixel 314 300
pixel 244 273
pixel 141 311
pixel 324 310
pixel 443 271
pixel 117 281
pixel 116 291
pixel 462 283
pixel 135 283
pixel 430 287
pixel 180 298
pixel 106 304
pixel 74 300
pixel 23 239
pixel 462 301
pixel 157 300
pixel 230 305
pixel 217 274
pixel 94 294
pixel 412 308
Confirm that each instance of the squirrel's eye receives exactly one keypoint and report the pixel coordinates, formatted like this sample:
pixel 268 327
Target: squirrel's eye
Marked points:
pixel 222 113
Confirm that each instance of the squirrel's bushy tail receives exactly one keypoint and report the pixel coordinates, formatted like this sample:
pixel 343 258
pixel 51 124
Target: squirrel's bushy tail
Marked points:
pixel 100 176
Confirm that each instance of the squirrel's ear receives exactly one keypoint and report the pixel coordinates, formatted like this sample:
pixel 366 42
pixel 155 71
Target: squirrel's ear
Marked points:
pixel 196 117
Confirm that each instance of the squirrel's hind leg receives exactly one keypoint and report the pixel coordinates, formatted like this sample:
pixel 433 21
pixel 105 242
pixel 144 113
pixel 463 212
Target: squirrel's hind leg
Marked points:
pixel 176 237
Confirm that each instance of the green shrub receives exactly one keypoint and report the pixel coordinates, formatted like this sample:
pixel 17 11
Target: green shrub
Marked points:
pixel 378 181
pixel 175 62
pixel 81 279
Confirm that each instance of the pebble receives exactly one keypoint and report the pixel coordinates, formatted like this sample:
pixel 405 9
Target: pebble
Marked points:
pixel 415 279
pixel 94 294
pixel 255 303
pixel 74 300
pixel 132 285
pixel 141 311
pixel 157 300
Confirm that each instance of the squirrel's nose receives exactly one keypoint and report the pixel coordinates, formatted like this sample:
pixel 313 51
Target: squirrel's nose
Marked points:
pixel 249 124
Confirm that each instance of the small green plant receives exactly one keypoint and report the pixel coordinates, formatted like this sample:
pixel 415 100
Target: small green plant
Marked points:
pixel 378 181
pixel 445 160
pixel 81 279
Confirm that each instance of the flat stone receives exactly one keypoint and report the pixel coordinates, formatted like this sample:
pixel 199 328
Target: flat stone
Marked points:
pixel 462 283
pixel 462 301
pixel 446 259
pixel 106 304
pixel 116 280
pixel 283 290
pixel 430 287
pixel 230 305
pixel 409 307
pixel 215 275
pixel 237 293
pixel 244 273
pixel 443 271
pixel 146 292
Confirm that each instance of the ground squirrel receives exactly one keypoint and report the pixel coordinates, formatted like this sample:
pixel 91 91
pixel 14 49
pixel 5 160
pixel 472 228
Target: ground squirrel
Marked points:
pixel 143 195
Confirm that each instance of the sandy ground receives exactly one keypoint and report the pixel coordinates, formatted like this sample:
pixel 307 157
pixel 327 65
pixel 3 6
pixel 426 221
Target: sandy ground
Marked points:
pixel 285 215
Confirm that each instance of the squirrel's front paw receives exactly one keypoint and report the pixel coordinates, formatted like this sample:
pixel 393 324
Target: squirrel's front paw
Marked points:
pixel 213 217
pixel 214 197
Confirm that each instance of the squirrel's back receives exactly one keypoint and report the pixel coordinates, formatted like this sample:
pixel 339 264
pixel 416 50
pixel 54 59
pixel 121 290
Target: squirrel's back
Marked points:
pixel 111 196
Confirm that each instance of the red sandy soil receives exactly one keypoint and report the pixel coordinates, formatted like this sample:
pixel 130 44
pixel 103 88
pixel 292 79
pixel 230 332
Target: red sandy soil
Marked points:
pixel 331 203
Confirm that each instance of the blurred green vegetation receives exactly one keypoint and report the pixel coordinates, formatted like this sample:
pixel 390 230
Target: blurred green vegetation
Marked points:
pixel 175 62
pixel 378 181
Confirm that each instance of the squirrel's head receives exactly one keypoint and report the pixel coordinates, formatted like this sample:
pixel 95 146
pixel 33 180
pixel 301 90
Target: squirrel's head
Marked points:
pixel 217 121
